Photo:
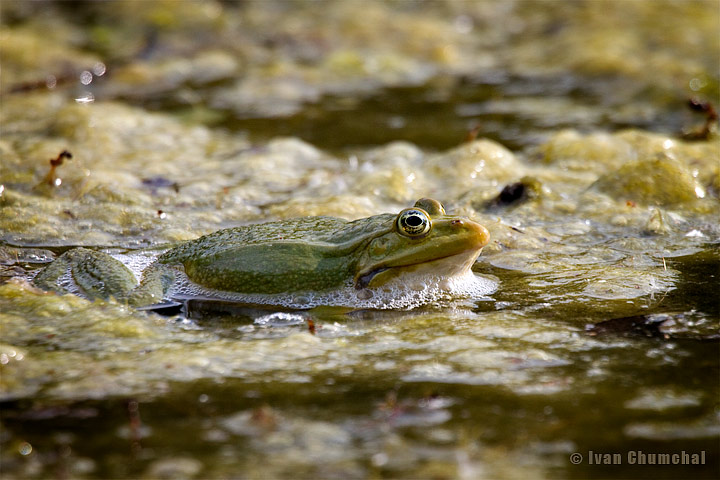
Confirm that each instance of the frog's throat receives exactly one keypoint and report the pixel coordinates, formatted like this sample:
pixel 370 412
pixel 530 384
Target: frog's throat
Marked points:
pixel 444 267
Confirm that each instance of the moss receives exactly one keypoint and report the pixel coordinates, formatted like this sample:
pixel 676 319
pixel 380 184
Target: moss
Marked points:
pixel 660 181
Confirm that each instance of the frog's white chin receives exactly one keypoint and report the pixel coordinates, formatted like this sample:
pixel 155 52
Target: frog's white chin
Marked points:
pixel 413 276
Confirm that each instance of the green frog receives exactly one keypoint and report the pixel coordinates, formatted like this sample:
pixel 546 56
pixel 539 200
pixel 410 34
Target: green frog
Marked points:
pixel 414 255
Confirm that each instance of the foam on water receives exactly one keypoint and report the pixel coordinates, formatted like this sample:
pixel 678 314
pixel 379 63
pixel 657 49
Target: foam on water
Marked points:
pixel 136 262
pixel 404 293
pixel 280 319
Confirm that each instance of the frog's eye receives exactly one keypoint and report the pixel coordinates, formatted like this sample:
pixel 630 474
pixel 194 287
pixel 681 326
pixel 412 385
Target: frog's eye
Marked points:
pixel 413 222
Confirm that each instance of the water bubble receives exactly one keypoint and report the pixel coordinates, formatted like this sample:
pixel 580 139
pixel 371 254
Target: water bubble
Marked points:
pixel 301 299
pixel 99 69
pixel 25 448
pixel 697 84
pixel 86 77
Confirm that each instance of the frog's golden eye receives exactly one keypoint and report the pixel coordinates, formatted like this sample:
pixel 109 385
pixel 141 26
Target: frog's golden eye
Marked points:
pixel 413 222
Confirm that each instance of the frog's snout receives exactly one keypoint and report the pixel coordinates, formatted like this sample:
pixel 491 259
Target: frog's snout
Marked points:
pixel 475 231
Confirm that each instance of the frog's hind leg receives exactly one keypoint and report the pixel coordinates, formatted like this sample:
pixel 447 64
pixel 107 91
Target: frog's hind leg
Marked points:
pixel 89 274
pixel 154 286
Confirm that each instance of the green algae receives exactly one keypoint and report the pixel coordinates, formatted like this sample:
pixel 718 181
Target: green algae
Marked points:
pixel 662 181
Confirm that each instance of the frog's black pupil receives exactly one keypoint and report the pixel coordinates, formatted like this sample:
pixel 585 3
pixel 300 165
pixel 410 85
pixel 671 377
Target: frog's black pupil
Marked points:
pixel 414 221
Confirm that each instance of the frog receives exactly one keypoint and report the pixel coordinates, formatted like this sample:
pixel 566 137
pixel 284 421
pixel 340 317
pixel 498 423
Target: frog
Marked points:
pixel 328 259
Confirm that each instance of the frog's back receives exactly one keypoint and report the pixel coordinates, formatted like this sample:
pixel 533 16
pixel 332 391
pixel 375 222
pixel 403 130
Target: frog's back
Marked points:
pixel 323 231
pixel 300 229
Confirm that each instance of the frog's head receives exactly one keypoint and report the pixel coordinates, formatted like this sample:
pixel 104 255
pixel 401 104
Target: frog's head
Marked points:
pixel 423 241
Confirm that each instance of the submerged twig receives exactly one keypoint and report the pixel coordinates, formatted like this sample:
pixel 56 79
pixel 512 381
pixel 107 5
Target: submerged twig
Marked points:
pixel 51 178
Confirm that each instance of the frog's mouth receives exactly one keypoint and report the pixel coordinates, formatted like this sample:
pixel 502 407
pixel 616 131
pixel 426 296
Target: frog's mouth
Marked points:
pixel 364 280
pixel 449 266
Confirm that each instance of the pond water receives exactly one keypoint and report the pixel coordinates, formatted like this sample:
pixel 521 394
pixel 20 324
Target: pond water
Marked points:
pixel 598 351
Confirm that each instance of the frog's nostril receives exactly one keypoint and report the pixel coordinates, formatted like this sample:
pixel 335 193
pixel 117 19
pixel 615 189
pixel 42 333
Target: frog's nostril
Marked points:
pixel 458 222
